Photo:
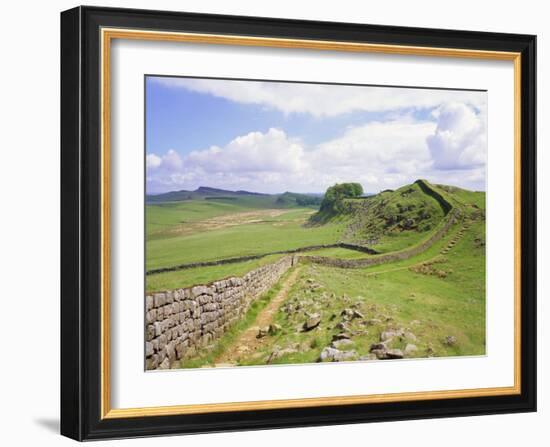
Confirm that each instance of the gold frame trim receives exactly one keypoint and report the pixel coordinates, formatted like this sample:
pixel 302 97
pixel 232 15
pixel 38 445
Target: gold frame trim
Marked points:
pixel 107 35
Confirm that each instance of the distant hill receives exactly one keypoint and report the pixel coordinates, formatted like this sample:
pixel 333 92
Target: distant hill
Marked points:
pixel 202 192
pixel 284 200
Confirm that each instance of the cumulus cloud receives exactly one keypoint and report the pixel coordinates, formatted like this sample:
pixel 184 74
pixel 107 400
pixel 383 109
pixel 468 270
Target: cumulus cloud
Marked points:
pixel 259 152
pixel 153 161
pixel 321 100
pixel 460 139
pixel 449 147
pixel 262 161
pixel 171 161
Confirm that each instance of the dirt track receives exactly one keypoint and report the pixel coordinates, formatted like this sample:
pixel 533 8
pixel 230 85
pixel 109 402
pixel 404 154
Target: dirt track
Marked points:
pixel 247 341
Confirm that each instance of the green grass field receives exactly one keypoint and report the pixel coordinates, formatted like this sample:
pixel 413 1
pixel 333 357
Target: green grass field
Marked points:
pixel 436 295
pixel 193 231
pixel 392 296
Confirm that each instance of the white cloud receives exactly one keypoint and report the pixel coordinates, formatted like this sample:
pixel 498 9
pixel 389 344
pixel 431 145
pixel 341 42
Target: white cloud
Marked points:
pixel 322 99
pixel 378 154
pixel 153 161
pixel 255 152
pixel 258 161
pixel 171 161
pixel 460 139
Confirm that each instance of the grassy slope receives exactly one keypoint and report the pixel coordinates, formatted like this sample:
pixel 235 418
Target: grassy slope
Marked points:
pixel 236 241
pixel 161 216
pixel 268 234
pixel 393 219
pixel 429 306
pixel 280 232
pixel 432 307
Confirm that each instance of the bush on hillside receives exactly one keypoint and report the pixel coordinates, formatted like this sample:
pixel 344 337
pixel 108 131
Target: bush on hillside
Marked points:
pixel 333 201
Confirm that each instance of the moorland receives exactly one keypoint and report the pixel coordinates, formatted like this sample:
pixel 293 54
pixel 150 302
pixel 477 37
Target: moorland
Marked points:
pixel 427 299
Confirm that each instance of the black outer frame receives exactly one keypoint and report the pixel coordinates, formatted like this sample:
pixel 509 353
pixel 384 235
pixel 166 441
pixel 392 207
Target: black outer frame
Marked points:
pixel 81 206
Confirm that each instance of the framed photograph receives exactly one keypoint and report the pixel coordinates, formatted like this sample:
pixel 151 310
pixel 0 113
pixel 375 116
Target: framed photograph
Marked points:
pixel 277 223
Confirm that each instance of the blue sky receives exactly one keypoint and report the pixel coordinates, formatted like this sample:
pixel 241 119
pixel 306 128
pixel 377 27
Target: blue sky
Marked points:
pixel 273 137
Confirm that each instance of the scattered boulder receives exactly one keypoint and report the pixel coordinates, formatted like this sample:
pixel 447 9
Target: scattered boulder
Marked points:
pixel 274 329
pixel 342 326
pixel 450 340
pixel 378 347
pixel 341 336
pixel 409 336
pixel 388 335
pixel 329 354
pixel 347 313
pixel 262 332
pixel 312 322
pixel 410 349
pixel 278 353
pixel 380 354
pixel 394 354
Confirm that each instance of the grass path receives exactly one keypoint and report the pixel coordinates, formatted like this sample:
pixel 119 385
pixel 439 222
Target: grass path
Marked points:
pixel 247 341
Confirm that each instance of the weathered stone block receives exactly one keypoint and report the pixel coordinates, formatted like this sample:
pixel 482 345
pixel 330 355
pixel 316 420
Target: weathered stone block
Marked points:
pixel 204 299
pixel 158 328
pixel 160 313
pixel 149 349
pixel 161 342
pixel 171 351
pixel 161 354
pixel 152 362
pixel 178 295
pixel 150 332
pixel 149 302
pixel 169 297
pixel 165 364
pixel 198 290
pixel 160 299
pixel 151 316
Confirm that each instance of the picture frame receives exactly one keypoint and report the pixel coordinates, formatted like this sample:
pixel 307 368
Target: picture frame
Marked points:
pixel 87 35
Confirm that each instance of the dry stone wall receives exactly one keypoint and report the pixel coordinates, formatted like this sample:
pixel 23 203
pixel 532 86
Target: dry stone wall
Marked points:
pixel 180 322
pixel 239 259
pixel 389 257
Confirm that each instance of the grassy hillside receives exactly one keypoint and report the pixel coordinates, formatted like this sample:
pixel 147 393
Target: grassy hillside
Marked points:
pixel 212 227
pixel 238 238
pixel 396 219
pixel 436 298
